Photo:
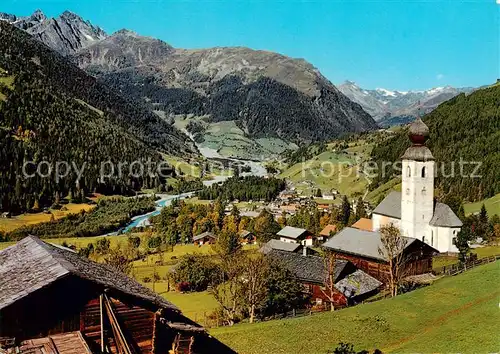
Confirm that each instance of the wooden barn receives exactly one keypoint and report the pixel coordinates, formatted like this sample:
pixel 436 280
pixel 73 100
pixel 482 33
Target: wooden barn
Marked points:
pixel 53 301
pixel 352 285
pixel 247 237
pixel 205 238
pixel 361 248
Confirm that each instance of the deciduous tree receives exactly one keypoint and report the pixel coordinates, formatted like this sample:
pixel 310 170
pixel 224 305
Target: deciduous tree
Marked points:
pixel 392 249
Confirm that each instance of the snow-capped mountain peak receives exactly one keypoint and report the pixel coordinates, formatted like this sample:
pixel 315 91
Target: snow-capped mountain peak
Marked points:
pixel 382 103
pixel 385 92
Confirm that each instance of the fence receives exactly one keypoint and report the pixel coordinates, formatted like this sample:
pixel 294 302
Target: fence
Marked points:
pixel 457 268
pixel 210 319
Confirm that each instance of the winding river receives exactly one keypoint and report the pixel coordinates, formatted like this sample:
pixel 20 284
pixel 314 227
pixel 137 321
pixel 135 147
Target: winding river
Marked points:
pixel 257 169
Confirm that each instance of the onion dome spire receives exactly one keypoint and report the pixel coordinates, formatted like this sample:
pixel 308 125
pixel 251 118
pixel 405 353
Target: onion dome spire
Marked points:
pixel 418 132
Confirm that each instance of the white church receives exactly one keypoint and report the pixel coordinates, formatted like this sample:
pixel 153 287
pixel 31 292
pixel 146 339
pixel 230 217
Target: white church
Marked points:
pixel 413 209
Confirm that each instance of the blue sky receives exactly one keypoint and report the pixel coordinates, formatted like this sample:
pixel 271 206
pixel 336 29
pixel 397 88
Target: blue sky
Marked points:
pixel 396 44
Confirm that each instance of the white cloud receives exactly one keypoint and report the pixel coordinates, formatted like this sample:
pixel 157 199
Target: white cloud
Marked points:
pixel 498 2
pixel 440 76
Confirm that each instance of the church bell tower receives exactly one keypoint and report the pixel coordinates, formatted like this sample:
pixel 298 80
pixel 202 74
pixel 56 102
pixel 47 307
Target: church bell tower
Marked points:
pixel 417 193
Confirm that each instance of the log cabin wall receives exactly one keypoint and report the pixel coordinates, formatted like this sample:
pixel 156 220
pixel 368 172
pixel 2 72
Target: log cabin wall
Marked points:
pixel 137 324
pixel 316 293
pixel 50 310
pixel 376 269
pixel 72 304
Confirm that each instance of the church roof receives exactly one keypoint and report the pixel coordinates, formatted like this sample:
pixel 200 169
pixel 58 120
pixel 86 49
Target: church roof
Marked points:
pixel 418 153
pixel 390 206
pixel 444 217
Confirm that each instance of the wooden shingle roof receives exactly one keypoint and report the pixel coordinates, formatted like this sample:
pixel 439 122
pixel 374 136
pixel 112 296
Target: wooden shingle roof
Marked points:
pixel 32 264
pixel 349 280
pixel 203 235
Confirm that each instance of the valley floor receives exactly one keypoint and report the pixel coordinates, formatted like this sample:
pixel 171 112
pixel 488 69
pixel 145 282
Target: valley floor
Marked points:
pixel 456 314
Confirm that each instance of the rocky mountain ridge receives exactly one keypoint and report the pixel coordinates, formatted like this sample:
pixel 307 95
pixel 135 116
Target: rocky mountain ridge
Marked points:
pixel 399 106
pixel 66 34
pixel 266 94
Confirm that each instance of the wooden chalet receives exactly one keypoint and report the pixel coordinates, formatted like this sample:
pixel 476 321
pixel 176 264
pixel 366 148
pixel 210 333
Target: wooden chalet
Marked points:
pixel 53 301
pixel 205 238
pixel 247 237
pixel 295 235
pixel 362 249
pixel 327 231
pixel 352 285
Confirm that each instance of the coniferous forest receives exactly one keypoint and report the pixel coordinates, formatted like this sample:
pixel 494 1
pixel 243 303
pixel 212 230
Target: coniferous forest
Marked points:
pixel 464 128
pixel 244 189
pixel 53 112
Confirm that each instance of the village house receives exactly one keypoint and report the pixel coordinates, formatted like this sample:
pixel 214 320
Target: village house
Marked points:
pixel 287 195
pixel 363 224
pixel 53 301
pixel 281 246
pixel 323 207
pixel 327 231
pixel 205 238
pixel 365 250
pixel 352 285
pixel 247 237
pixel 289 208
pixel 296 235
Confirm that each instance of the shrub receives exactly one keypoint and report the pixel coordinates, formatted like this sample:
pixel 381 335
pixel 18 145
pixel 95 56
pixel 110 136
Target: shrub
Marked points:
pixel 183 286
pixel 196 270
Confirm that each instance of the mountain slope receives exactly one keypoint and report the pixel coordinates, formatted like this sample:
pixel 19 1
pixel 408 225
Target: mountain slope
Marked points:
pixel 53 113
pixel 465 128
pixel 388 107
pixel 138 120
pixel 267 94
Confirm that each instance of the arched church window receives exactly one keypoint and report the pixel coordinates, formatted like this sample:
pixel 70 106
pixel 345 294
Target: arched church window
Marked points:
pixel 407 191
pixel 408 171
pixel 432 237
pixel 424 191
pixel 423 172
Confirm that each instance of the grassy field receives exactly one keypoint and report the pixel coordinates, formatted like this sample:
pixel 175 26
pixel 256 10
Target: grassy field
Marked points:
pixel 79 242
pixel 193 305
pixel 15 222
pixel 492 206
pixel 230 141
pixel 7 81
pixel 186 168
pixel 482 252
pixel 456 314
pixel 382 191
pixel 329 170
